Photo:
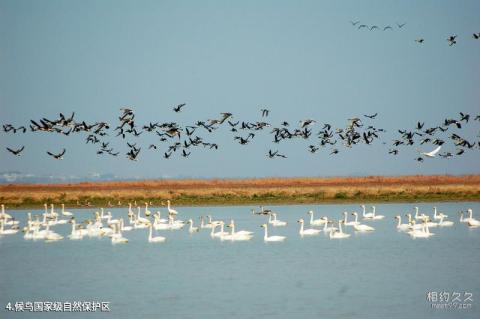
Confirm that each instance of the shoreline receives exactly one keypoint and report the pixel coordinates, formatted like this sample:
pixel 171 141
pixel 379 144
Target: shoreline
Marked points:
pixel 229 192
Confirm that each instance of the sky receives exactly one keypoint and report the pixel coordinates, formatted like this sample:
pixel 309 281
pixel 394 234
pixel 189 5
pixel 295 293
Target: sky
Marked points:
pixel 300 59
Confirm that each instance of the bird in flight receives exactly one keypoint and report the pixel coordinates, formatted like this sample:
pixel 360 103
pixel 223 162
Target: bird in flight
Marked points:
pixel 16 152
pixel 58 156
pixel 421 40
pixel 476 36
pixel 354 23
pixel 401 25
pixel 178 108
pixel 272 154
pixel 432 153
pixel 264 112
pixel 373 27
pixel 452 40
pixel 393 151
pixel 387 28
pixel 371 116
pixel 362 26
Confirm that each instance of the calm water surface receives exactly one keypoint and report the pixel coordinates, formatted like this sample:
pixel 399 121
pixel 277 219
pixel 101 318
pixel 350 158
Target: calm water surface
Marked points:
pixel 376 275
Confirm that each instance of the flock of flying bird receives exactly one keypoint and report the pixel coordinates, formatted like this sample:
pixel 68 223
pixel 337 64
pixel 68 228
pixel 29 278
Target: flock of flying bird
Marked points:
pixel 104 224
pixel 452 40
pixel 175 138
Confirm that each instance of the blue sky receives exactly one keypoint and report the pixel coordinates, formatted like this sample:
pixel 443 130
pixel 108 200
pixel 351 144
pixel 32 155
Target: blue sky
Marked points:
pixel 301 59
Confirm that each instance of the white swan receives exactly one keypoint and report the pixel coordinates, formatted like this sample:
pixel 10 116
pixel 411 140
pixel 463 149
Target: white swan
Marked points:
pixel 158 218
pixel 171 210
pixel 240 232
pixel 271 238
pixel 375 216
pixel 111 221
pixel 421 233
pixel 400 226
pixel 366 215
pixel 338 234
pixel 444 223
pixel 432 153
pixel 472 222
pixel 275 222
pixel 52 212
pixel 123 227
pixel 212 222
pixel 438 216
pixel 412 223
pixel 192 229
pixel 64 212
pixel 4 215
pixel 147 212
pixel 130 211
pixel 52 236
pixel 142 219
pixel 307 232
pixel 202 223
pixel 117 237
pixel 102 214
pixel 219 233
pixel 315 222
pixel 157 239
pixel 4 231
pixel 422 216
pixel 327 229
pixel 347 223
pixel 75 234
pixel 28 232
pixel 361 227
pixel 236 236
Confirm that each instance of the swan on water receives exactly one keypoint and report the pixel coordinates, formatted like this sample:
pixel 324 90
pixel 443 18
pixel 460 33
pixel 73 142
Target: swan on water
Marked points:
pixel 315 222
pixel 347 223
pixel 219 233
pixel 192 229
pixel 444 223
pixel 271 238
pixel 361 227
pixel 275 221
pixel 338 234
pixel 64 212
pixel 400 226
pixel 171 211
pixel 156 239
pixel 366 215
pixel 307 232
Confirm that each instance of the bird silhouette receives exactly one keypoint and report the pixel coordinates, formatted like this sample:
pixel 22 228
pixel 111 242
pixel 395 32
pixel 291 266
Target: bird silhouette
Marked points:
pixel 58 156
pixel 16 152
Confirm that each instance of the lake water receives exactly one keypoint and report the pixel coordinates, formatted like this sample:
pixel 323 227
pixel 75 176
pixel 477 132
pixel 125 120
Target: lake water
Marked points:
pixel 383 274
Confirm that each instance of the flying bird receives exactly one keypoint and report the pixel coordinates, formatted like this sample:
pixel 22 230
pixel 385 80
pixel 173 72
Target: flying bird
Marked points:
pixel 452 40
pixel 432 153
pixel 354 23
pixel 387 28
pixel 371 116
pixel 58 156
pixel 401 25
pixel 16 152
pixel 178 108
pixel 421 40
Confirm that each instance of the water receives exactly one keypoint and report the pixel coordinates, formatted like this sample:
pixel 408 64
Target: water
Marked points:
pixel 376 275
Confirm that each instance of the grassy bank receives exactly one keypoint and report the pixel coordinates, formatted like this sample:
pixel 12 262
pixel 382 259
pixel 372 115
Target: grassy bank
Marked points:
pixel 247 191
